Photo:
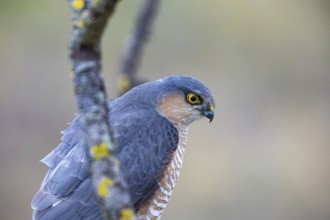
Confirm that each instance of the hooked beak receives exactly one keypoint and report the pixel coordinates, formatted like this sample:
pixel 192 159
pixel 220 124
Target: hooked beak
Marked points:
pixel 209 114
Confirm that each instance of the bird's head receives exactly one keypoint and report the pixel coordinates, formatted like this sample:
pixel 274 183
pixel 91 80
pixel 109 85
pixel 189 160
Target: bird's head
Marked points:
pixel 180 99
pixel 184 99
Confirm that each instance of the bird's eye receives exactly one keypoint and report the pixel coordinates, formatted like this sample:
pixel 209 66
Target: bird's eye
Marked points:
pixel 193 99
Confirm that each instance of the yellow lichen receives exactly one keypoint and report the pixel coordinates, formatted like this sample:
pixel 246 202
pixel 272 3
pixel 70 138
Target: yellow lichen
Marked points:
pixel 124 84
pixel 100 151
pixel 71 73
pixel 80 23
pixel 78 4
pixel 103 187
pixel 126 214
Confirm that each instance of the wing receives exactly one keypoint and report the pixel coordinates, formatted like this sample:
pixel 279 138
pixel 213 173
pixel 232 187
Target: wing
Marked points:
pixel 66 192
pixel 145 142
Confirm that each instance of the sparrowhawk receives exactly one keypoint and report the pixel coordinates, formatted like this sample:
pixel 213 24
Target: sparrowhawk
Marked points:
pixel 150 126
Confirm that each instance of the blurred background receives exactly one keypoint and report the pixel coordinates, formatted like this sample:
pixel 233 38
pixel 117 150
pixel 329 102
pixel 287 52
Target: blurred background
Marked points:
pixel 267 153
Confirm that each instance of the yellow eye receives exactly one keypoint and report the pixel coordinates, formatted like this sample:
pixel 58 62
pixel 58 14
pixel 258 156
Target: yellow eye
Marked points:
pixel 193 99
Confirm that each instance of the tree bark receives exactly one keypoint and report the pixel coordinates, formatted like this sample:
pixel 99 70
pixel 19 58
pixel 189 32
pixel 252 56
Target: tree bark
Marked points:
pixel 134 45
pixel 89 19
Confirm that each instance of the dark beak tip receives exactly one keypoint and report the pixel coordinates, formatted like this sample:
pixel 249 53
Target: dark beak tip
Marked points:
pixel 209 115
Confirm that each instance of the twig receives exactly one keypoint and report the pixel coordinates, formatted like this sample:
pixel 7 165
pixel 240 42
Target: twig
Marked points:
pixel 133 48
pixel 89 19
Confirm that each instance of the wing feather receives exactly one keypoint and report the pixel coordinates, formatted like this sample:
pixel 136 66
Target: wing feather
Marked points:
pixel 145 142
pixel 147 154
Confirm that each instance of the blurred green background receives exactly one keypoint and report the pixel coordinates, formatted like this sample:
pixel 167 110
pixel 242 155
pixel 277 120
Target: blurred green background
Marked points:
pixel 267 153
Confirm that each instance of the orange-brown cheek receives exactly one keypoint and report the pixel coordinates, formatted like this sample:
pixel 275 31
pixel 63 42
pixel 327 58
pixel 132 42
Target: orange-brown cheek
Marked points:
pixel 175 108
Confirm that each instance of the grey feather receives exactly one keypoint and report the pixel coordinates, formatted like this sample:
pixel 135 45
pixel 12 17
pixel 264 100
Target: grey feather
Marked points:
pixel 145 139
pixel 142 149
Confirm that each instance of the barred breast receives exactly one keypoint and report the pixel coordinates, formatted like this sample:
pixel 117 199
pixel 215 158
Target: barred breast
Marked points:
pixel 154 208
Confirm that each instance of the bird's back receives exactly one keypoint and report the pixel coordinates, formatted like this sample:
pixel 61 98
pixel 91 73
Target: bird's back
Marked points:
pixel 150 126
pixel 145 142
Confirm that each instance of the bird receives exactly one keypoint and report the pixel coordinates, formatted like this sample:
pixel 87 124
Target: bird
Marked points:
pixel 150 126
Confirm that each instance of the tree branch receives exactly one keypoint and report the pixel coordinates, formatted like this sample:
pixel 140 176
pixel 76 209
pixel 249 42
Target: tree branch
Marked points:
pixel 89 18
pixel 134 46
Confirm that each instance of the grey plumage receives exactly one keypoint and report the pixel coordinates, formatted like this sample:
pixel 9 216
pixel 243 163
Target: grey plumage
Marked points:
pixel 145 141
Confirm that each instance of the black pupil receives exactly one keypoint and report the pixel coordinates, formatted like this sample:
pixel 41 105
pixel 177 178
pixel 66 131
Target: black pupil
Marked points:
pixel 193 98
